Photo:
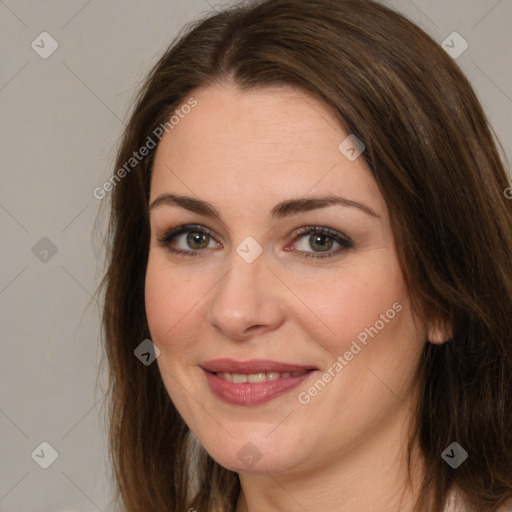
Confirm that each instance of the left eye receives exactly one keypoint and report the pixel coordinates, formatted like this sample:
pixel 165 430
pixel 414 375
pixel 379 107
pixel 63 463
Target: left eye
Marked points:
pixel 321 240
pixel 320 243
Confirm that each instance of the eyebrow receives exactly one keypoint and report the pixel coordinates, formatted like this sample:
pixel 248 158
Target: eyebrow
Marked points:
pixel 284 209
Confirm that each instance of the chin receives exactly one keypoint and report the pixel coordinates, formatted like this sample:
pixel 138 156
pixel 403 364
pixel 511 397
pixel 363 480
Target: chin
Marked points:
pixel 253 456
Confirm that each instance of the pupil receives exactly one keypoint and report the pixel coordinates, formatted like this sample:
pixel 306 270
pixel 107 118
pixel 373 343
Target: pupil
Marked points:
pixel 196 237
pixel 317 239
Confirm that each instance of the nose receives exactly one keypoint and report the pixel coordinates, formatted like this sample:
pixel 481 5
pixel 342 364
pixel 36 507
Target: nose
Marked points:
pixel 247 300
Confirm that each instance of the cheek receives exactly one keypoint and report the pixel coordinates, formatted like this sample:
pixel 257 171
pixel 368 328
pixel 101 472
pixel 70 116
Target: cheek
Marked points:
pixel 341 308
pixel 170 297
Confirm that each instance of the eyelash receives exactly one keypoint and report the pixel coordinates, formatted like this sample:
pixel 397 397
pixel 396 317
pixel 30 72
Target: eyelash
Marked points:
pixel 344 241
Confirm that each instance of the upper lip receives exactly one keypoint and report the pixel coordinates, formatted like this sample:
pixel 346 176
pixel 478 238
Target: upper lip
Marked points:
pixel 252 366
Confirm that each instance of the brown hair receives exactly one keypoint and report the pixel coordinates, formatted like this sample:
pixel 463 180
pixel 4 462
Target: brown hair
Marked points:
pixel 432 153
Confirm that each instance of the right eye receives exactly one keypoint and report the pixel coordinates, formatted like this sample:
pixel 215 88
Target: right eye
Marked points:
pixel 192 237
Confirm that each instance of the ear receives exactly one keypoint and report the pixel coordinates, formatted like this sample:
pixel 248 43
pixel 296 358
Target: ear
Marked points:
pixel 439 332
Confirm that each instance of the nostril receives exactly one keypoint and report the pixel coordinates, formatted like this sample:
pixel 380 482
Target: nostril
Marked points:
pixel 253 327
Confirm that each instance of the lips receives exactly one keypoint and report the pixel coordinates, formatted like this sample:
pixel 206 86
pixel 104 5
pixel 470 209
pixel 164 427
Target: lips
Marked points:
pixel 253 382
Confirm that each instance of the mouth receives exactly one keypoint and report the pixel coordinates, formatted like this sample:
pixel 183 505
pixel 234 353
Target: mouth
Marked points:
pixel 253 367
pixel 253 382
pixel 239 378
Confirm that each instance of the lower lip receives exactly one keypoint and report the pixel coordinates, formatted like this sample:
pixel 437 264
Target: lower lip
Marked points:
pixel 248 393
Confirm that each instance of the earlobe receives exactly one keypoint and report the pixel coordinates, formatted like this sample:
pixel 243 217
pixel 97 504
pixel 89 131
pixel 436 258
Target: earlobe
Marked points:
pixel 439 333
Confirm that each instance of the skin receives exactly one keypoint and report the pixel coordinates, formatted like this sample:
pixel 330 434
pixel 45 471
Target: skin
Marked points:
pixel 244 152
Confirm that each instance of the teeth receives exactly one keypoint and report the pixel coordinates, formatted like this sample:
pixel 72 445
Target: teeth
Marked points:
pixel 239 378
pixel 257 377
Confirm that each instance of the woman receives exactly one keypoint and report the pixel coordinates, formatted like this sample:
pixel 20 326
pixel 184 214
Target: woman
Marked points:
pixel 308 304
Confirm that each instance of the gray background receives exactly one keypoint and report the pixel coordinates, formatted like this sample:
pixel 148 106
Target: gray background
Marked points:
pixel 61 118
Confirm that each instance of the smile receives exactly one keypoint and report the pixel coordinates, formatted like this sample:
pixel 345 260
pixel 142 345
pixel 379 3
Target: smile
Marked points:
pixel 253 382
pixel 239 378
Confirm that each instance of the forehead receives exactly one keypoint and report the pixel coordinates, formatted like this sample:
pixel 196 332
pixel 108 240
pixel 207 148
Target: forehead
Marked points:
pixel 265 143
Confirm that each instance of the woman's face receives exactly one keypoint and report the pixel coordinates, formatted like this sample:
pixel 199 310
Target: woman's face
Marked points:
pixel 320 320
